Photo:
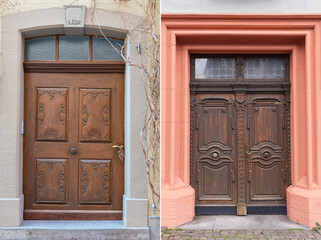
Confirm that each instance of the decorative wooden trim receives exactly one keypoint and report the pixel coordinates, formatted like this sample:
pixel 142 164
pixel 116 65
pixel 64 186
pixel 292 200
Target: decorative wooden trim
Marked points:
pixel 240 104
pixel 221 86
pixel 36 214
pixel 74 67
pixel 193 114
pixel 90 48
pixel 57 48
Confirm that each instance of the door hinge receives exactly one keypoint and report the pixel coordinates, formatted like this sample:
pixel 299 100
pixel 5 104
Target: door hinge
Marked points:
pixel 22 127
pixel 250 176
pixel 197 117
pixel 197 174
pixel 233 123
pixel 248 121
pixel 232 176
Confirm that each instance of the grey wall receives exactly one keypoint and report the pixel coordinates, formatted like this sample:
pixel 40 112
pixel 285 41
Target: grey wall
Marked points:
pixel 241 6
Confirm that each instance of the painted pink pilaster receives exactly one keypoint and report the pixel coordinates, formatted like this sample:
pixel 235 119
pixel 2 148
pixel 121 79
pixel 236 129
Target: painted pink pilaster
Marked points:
pixel 298 35
pixel 178 196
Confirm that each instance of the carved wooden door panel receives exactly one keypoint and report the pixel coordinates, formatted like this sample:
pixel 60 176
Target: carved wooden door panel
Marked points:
pixel 240 133
pixel 267 148
pixel 240 150
pixel 71 170
pixel 214 171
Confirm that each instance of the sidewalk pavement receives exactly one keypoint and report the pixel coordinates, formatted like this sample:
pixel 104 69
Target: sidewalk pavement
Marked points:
pixel 294 234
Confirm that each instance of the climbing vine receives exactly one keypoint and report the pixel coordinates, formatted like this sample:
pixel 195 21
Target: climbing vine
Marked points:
pixel 150 76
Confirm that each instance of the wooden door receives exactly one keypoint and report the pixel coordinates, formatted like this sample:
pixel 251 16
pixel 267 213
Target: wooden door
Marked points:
pixel 240 135
pixel 215 168
pixel 267 148
pixel 72 121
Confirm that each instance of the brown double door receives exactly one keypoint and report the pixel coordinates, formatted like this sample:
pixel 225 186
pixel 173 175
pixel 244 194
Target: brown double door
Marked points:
pixel 240 152
pixel 72 121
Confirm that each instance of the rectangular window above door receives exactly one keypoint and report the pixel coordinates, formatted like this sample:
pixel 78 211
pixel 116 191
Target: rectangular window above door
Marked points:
pixel 240 68
pixel 215 68
pixel 73 48
pixel 264 68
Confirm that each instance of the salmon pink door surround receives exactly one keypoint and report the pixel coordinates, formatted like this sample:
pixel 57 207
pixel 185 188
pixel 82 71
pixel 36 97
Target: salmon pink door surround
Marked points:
pixel 297 35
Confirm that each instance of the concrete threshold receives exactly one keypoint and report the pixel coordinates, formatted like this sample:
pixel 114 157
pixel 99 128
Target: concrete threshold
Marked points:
pixel 80 230
pixel 249 222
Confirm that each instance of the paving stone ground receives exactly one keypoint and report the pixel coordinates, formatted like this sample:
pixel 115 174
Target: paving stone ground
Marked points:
pixel 295 234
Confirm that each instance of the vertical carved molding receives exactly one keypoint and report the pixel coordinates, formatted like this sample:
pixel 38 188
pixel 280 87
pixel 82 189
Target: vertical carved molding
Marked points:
pixel 40 181
pixel 192 158
pixel 84 181
pixel 240 104
pixel 287 114
pixel 106 115
pixel 84 115
pixel 62 114
pixel 106 185
pixel 41 114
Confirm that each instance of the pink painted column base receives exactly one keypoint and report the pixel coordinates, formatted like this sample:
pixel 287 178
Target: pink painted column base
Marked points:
pixel 178 206
pixel 304 205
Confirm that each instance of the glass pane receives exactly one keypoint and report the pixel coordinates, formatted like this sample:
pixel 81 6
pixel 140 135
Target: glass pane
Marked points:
pixel 102 49
pixel 74 48
pixel 40 49
pixel 216 68
pixel 264 68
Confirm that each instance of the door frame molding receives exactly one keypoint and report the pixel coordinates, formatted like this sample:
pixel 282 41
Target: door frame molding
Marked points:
pixel 296 35
pixel 238 86
pixel 74 67
pixel 46 22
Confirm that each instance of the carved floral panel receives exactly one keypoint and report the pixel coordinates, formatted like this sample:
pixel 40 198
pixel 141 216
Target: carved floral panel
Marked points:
pixel 95 115
pixel 95 182
pixel 51 180
pixel 51 119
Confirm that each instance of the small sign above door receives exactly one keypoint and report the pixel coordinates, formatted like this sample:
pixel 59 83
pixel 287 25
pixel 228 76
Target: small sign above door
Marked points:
pixel 74 17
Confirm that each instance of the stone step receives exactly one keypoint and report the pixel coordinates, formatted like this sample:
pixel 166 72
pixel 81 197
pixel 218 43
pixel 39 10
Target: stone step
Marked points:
pixel 73 230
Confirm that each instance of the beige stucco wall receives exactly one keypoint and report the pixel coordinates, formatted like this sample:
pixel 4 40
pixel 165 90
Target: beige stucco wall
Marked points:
pixel 11 178
pixel 16 6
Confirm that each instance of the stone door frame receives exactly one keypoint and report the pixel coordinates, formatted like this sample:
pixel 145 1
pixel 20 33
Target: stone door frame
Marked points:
pixel 294 34
pixel 14 29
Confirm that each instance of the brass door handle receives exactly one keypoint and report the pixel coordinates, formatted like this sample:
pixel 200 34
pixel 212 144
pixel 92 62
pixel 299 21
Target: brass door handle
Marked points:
pixel 121 152
pixel 118 146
